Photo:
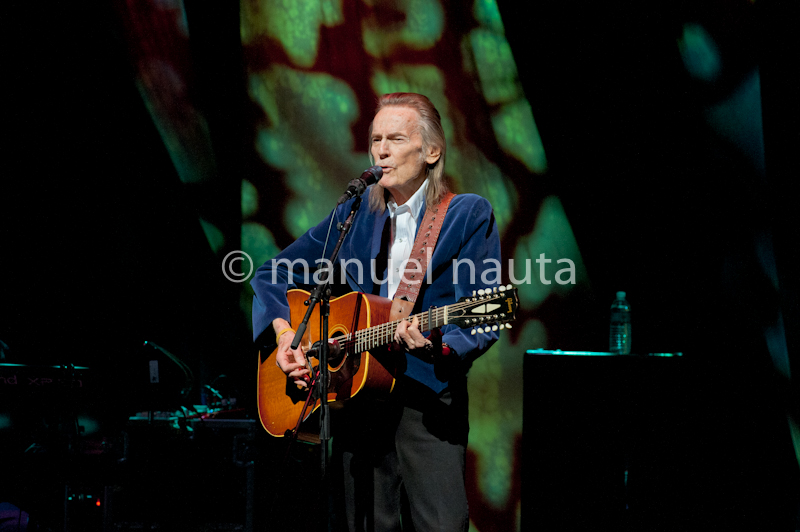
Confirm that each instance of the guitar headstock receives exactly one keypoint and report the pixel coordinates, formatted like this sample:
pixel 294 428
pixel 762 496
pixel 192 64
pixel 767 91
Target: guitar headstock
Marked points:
pixel 489 309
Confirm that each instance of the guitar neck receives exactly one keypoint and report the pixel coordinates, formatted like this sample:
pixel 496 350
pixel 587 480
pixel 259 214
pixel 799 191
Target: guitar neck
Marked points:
pixel 383 334
pixel 484 311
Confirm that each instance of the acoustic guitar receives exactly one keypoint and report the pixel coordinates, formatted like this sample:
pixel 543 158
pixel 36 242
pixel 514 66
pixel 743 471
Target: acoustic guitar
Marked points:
pixel 359 362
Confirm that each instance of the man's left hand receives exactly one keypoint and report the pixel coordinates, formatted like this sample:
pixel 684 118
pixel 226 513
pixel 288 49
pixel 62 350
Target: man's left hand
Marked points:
pixel 408 335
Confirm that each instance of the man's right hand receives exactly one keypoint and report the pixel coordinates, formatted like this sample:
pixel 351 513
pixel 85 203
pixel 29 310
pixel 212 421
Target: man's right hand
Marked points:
pixel 291 362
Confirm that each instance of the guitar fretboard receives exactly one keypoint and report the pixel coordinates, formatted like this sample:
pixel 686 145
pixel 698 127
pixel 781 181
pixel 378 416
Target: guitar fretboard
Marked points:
pixel 383 334
pixel 480 311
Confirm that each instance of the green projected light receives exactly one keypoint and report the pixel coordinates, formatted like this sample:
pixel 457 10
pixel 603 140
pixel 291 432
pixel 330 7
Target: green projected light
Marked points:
pixel 309 138
pixel 699 53
pixel 422 24
pixel 294 24
pixel 496 68
pixel 249 199
pixel 214 236
pixel 496 411
pixel 487 13
pixel 551 240
pixel 518 136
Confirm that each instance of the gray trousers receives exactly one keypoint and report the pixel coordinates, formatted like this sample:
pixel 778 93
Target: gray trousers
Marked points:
pixel 404 461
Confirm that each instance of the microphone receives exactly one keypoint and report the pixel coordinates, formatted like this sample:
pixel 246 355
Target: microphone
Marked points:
pixel 356 187
pixel 334 349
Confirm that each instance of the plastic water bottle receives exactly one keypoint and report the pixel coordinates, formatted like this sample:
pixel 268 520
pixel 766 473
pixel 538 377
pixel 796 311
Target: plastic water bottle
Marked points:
pixel 619 338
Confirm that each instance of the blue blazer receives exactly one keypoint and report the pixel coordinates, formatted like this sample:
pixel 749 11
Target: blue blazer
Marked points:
pixel 469 232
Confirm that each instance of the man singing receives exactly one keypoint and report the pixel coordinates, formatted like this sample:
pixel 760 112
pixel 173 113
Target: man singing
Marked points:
pixel 414 449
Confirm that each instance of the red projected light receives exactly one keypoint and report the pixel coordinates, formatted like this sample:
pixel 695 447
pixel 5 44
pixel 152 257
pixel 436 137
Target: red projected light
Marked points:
pixel 97 502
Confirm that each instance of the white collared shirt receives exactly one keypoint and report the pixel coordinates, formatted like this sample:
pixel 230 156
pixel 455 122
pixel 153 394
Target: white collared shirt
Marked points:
pixel 404 228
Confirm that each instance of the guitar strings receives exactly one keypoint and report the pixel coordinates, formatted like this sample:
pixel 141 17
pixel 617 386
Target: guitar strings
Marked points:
pixel 377 335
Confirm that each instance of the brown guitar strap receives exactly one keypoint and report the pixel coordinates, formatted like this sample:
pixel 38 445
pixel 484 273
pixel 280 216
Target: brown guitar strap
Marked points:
pixel 417 265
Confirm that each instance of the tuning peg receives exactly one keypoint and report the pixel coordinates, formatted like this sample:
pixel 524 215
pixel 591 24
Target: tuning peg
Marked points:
pixel 474 293
pixel 494 290
pixel 472 332
pixel 509 287
pixel 494 327
pixel 502 288
pixel 502 326
pixel 481 292
pixel 508 325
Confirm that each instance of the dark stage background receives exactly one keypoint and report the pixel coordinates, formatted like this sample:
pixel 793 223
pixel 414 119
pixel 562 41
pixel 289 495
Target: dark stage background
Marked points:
pixel 648 143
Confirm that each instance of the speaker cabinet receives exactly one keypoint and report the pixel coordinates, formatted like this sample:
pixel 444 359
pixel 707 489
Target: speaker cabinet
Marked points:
pixel 653 443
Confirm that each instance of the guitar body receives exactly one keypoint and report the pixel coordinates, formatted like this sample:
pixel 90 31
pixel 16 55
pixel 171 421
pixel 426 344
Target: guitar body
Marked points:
pixel 280 402
pixel 365 325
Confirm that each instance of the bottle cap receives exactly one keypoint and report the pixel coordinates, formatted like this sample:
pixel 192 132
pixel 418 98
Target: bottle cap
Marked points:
pixel 620 295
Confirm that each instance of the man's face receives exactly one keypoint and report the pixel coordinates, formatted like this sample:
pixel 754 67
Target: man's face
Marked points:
pixel 397 148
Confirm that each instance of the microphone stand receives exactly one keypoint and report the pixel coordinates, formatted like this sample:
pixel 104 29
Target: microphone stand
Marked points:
pixel 321 295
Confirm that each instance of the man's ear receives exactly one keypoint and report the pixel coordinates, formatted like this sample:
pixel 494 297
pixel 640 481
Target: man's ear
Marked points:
pixel 434 152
